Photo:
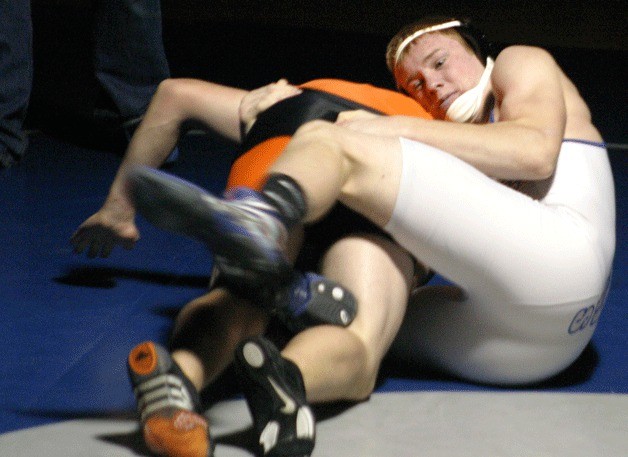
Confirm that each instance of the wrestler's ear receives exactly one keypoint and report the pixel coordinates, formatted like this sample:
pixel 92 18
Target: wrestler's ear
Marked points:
pixel 477 40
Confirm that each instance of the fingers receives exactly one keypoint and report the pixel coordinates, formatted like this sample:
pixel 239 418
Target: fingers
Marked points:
pixel 274 93
pixel 99 242
pixel 94 249
pixel 261 99
pixel 106 248
pixel 92 241
pixel 282 90
pixel 353 115
pixel 79 241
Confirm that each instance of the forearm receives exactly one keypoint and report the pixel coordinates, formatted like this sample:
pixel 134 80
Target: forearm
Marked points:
pixel 150 146
pixel 175 102
pixel 504 150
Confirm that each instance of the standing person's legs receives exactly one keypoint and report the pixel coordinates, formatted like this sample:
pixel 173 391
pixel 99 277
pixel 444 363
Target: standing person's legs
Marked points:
pixel 16 70
pixel 129 56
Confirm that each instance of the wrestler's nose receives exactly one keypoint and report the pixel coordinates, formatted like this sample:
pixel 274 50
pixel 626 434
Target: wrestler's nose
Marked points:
pixel 433 82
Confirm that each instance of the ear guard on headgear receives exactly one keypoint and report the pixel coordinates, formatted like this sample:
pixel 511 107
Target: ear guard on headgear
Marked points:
pixel 478 41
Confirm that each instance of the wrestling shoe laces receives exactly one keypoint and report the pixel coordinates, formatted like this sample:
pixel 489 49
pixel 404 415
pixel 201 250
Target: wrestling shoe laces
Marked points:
pixel 311 299
pixel 275 394
pixel 168 404
pixel 243 231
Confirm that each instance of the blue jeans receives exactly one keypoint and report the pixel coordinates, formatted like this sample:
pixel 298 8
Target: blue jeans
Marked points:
pixel 129 62
pixel 129 56
pixel 16 76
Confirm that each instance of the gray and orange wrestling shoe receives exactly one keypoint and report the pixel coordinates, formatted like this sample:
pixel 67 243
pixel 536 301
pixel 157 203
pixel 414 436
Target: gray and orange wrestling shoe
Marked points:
pixel 168 404
pixel 274 390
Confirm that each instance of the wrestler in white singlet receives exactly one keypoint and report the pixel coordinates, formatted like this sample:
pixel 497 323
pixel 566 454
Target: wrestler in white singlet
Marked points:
pixel 531 287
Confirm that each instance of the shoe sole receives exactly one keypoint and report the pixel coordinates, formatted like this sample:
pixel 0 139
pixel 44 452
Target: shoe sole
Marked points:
pixel 254 358
pixel 178 206
pixel 329 304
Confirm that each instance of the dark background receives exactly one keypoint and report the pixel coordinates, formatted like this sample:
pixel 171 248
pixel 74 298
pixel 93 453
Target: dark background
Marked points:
pixel 248 43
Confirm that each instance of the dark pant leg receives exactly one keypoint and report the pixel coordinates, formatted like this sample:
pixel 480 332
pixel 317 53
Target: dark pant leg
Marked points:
pixel 129 56
pixel 16 76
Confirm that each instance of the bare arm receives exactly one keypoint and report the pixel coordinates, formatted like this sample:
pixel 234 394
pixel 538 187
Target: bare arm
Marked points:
pixel 174 102
pixel 222 109
pixel 530 109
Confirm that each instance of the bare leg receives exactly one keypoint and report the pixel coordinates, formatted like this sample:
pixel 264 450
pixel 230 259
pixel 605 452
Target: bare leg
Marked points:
pixel 336 363
pixel 208 330
pixel 333 163
pixel 342 364
pixel 176 101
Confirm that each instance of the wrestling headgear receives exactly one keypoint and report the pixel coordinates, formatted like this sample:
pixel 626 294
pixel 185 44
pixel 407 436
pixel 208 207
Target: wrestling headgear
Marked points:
pixel 468 106
pixel 472 36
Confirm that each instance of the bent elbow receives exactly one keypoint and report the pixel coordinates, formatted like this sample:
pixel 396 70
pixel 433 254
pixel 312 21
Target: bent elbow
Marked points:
pixel 542 164
pixel 542 155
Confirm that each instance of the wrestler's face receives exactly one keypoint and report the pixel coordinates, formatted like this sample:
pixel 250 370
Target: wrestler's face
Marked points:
pixel 436 70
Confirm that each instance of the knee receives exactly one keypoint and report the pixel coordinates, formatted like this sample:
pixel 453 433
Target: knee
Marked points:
pixel 368 363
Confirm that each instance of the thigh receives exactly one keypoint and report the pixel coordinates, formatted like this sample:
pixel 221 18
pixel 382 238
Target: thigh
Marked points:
pixel 376 167
pixel 491 240
pixel 335 163
pixel 379 273
pixel 492 342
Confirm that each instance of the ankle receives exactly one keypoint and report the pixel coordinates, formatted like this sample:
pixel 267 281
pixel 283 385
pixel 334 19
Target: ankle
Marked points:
pixel 285 194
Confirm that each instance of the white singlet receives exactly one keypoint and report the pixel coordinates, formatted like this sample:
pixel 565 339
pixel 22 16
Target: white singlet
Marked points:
pixel 531 266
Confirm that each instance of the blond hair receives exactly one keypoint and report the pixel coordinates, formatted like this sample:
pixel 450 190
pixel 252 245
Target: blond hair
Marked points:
pixel 399 45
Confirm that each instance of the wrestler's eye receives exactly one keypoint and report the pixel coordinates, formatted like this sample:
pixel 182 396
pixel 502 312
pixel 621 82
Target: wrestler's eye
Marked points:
pixel 417 85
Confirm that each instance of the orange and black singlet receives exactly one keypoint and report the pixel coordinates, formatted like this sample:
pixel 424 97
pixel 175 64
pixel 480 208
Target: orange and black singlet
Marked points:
pixel 320 99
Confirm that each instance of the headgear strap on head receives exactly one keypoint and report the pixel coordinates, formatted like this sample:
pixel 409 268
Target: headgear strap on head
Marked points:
pixel 468 106
pixel 434 28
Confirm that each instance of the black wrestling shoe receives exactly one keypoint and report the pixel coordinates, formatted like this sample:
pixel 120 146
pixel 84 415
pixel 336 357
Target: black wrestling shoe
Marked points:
pixel 168 404
pixel 243 231
pixel 274 390
pixel 311 299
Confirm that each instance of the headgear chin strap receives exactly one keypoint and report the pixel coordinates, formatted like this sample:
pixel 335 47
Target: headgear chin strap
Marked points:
pixel 468 106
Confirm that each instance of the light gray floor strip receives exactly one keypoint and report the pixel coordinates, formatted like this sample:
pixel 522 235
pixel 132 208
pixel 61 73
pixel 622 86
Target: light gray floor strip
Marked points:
pixel 425 424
